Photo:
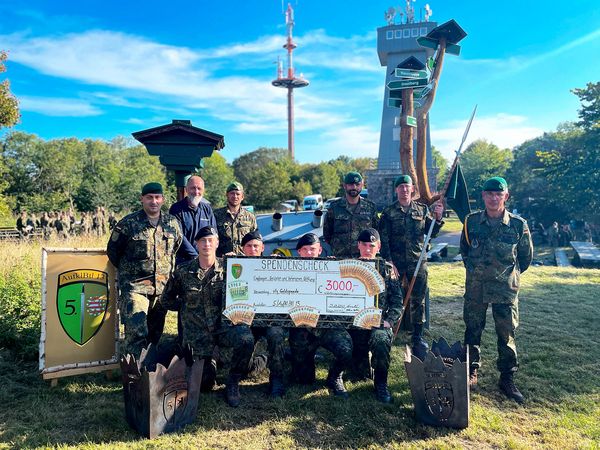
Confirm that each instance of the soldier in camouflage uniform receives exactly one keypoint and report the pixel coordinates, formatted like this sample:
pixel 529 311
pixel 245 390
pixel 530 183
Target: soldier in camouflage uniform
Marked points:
pixel 496 248
pixel 305 341
pixel 402 227
pixel 347 217
pixel 196 291
pixel 344 220
pixel 142 247
pixel 233 221
pixel 252 245
pixel 390 302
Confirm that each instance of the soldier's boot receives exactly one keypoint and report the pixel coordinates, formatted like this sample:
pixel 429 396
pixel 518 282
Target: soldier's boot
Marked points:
pixel 473 378
pixel 419 346
pixel 258 364
pixel 276 386
pixel 507 386
pixel 335 382
pixel 382 393
pixel 232 390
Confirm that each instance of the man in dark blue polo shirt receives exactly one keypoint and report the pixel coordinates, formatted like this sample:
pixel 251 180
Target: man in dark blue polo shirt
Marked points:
pixel 194 213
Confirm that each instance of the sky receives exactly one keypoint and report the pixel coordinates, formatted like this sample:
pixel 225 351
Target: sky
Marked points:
pixel 100 69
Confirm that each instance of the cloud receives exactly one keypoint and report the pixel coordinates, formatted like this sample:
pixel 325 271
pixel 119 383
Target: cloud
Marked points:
pixel 355 141
pixel 59 107
pixel 503 130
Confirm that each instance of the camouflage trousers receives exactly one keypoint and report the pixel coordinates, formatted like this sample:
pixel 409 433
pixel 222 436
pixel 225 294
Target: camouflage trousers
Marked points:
pixel 144 319
pixel 506 320
pixel 237 340
pixel 304 343
pixel 417 296
pixel 275 337
pixel 378 342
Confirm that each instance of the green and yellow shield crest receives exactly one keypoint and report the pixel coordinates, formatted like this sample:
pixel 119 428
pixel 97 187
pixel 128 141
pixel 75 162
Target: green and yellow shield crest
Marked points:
pixel 236 270
pixel 82 302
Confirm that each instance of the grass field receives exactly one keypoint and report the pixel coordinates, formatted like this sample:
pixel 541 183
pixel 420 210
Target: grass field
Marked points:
pixel 560 377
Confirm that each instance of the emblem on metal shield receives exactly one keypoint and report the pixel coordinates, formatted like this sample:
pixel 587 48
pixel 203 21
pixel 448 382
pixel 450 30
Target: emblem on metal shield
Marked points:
pixel 439 398
pixel 82 302
pixel 236 270
pixel 174 403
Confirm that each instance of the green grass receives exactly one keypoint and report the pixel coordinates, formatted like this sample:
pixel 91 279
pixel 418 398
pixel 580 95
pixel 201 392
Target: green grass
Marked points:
pixel 451 224
pixel 560 377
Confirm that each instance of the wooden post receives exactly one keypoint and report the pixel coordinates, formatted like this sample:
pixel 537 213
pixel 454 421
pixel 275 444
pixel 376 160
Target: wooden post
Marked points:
pixel 406 138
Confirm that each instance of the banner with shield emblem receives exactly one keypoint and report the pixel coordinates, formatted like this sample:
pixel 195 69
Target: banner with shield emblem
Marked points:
pixel 79 313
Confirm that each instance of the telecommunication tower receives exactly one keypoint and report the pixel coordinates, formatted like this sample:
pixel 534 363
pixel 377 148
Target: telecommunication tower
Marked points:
pixel 289 82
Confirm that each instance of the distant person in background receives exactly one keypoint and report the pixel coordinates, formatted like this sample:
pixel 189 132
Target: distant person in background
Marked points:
pixel 553 235
pixel 193 214
pixel 496 249
pixel 233 221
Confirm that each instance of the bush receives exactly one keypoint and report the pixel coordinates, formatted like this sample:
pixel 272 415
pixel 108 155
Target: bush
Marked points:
pixel 20 313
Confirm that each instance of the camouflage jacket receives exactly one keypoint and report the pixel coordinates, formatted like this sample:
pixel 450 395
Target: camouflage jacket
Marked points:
pixel 232 229
pixel 495 257
pixel 143 254
pixel 389 301
pixel 343 224
pixel 403 233
pixel 198 296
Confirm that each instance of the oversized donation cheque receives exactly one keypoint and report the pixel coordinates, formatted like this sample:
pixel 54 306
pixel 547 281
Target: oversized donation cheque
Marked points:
pixel 294 292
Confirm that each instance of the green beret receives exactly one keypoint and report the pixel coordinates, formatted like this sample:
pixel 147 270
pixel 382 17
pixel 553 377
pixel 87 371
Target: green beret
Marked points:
pixel 353 177
pixel 235 186
pixel 307 239
pixel 403 179
pixel 206 231
pixel 152 188
pixel 369 235
pixel 495 184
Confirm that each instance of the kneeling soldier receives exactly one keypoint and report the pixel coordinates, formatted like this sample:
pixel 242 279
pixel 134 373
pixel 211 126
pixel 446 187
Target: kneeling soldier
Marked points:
pixel 196 291
pixel 390 302
pixel 305 341
pixel 252 245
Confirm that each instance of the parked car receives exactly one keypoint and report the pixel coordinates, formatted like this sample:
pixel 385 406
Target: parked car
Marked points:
pixel 328 203
pixel 314 201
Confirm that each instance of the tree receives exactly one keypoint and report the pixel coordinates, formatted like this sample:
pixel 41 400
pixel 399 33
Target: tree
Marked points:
pixel 9 105
pixel 442 164
pixel 482 160
pixel 217 175
pixel 268 186
pixel 247 164
pixel 323 179
pixel 590 105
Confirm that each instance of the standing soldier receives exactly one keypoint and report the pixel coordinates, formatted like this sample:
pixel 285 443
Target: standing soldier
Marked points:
pixel 22 224
pixel 46 225
pixel 304 341
pixel 347 217
pixel 390 302
pixel 233 221
pixel 344 220
pixel 197 292
pixel 142 247
pixel 496 249
pixel 402 227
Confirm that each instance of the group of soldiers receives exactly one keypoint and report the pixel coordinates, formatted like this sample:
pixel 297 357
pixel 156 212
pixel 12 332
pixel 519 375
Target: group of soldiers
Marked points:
pixel 174 262
pixel 63 224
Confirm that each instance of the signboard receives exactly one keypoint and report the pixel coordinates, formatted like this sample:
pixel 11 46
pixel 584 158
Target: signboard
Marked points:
pixel 293 292
pixel 408 73
pixel 407 84
pixel 452 49
pixel 79 313
pixel 411 121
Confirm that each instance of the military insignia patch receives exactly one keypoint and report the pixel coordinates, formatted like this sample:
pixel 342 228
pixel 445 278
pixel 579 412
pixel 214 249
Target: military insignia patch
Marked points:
pixel 82 302
pixel 236 270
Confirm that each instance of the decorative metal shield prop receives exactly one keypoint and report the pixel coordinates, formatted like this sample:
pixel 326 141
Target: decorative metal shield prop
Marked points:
pixel 82 301
pixel 160 399
pixel 440 384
